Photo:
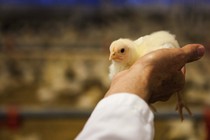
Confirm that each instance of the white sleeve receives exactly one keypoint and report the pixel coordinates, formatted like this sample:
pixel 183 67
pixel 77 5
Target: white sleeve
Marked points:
pixel 122 116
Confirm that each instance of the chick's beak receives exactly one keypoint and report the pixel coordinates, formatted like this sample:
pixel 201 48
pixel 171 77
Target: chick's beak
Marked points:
pixel 111 56
pixel 115 57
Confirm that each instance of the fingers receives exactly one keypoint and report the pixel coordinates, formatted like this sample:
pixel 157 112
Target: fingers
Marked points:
pixel 193 52
pixel 167 87
pixel 187 54
pixel 175 58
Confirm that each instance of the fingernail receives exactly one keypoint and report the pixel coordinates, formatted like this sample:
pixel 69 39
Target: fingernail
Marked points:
pixel 200 51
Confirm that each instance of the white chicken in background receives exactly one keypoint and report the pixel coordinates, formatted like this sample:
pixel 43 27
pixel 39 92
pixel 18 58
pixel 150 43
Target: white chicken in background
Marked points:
pixel 124 53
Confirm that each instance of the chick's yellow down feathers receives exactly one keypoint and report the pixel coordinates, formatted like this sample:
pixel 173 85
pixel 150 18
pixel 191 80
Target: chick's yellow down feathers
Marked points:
pixel 124 53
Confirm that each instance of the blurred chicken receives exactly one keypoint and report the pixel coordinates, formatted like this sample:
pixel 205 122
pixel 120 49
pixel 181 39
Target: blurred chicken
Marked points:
pixel 124 52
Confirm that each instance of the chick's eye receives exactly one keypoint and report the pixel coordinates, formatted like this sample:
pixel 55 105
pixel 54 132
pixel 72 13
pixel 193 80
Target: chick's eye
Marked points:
pixel 122 50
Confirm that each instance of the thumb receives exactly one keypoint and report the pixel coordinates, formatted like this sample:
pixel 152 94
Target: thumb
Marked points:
pixel 193 52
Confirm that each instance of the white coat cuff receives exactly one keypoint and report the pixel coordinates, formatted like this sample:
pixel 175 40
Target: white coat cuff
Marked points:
pixel 129 100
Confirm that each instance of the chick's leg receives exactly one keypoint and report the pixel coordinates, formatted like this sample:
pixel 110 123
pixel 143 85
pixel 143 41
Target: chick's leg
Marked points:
pixel 180 105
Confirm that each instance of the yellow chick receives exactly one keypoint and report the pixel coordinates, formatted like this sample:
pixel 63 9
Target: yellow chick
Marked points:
pixel 124 53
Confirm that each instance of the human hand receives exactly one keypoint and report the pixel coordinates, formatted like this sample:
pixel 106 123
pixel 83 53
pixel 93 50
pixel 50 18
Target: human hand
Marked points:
pixel 157 75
